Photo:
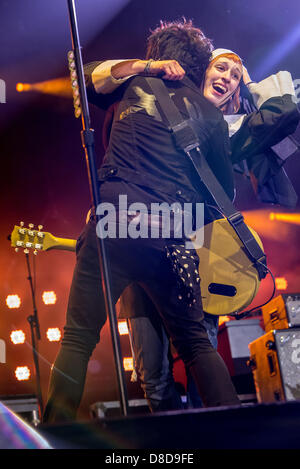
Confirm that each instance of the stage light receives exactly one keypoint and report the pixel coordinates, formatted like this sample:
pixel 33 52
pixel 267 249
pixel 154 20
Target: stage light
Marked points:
pixel 281 283
pixel 22 373
pixel 57 87
pixel 278 52
pixel 128 363
pixel 53 334
pixel 263 221
pixel 20 87
pixel 122 326
pixel 224 319
pixel 286 217
pixel 17 337
pixel 49 297
pixel 13 301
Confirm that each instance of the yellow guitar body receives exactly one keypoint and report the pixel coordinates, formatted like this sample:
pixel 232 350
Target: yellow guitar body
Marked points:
pixel 229 281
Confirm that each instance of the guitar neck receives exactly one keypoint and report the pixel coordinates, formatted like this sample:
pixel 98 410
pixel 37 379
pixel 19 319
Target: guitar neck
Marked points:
pixel 65 244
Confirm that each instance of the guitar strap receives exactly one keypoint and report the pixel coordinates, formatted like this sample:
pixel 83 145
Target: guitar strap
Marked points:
pixel 187 140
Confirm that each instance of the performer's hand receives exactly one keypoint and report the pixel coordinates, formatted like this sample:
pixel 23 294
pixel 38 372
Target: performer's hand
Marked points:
pixel 167 69
pixel 246 76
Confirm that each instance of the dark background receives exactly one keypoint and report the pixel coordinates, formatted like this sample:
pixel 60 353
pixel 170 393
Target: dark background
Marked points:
pixel 43 172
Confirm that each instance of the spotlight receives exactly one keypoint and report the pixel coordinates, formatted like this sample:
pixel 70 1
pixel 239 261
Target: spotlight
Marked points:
pixel 286 217
pixel 57 87
pixel 20 87
pixel 13 301
pixel 53 334
pixel 281 283
pixel 122 326
pixel 49 297
pixel 223 319
pixel 128 363
pixel 278 52
pixel 22 373
pixel 17 337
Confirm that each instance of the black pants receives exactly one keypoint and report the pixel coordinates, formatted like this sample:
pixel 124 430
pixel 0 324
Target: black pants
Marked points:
pixel 150 262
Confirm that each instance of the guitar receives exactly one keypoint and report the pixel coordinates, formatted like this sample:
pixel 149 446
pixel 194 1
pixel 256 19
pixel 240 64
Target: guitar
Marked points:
pixel 230 282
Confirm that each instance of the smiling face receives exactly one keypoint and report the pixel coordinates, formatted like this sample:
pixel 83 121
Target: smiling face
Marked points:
pixel 222 79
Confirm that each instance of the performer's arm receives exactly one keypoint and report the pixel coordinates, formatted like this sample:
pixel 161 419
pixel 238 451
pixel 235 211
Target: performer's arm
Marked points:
pixel 109 75
pixel 276 118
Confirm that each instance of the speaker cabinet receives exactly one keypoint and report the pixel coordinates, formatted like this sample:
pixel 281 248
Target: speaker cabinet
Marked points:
pixel 283 312
pixel 275 364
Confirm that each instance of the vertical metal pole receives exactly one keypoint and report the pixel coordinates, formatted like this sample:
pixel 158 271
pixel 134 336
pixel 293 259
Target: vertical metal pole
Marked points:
pixel 35 326
pixel 87 137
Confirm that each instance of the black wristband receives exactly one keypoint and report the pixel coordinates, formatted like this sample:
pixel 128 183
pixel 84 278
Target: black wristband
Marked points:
pixel 147 66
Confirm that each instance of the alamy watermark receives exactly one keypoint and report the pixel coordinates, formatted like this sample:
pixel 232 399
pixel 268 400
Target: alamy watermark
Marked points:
pixel 2 91
pixel 162 220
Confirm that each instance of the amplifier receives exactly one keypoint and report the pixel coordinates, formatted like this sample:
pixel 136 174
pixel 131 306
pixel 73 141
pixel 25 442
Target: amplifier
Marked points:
pixel 233 340
pixel 275 365
pixel 282 312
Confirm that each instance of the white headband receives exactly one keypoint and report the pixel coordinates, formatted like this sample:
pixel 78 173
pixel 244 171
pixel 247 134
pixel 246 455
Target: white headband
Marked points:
pixel 215 53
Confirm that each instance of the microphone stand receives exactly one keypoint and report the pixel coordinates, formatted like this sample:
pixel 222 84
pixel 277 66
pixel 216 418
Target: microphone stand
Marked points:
pixel 87 138
pixel 35 336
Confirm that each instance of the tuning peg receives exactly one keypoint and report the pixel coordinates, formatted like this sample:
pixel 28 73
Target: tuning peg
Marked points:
pixel 26 251
pixel 71 55
pixel 35 252
pixel 40 227
pixel 21 223
pixel 31 225
pixel 17 249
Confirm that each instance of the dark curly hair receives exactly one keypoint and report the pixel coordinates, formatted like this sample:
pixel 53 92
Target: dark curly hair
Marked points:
pixel 181 41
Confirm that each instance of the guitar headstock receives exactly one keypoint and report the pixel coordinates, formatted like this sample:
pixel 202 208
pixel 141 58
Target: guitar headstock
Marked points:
pixel 28 238
pixel 38 240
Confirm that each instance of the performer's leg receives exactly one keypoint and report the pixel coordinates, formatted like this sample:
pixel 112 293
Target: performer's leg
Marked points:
pixel 68 377
pixel 151 347
pixel 85 318
pixel 211 325
pixel 176 293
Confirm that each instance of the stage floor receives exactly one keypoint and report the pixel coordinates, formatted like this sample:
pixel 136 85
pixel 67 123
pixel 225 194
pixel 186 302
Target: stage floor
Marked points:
pixel 251 426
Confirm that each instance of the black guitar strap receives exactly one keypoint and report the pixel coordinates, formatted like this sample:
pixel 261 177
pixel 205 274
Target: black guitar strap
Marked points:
pixel 187 140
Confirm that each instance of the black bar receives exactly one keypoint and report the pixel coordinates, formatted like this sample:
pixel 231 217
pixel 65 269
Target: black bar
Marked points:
pixel 87 135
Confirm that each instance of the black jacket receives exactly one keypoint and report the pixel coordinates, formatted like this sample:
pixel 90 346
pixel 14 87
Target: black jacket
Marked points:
pixel 141 149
